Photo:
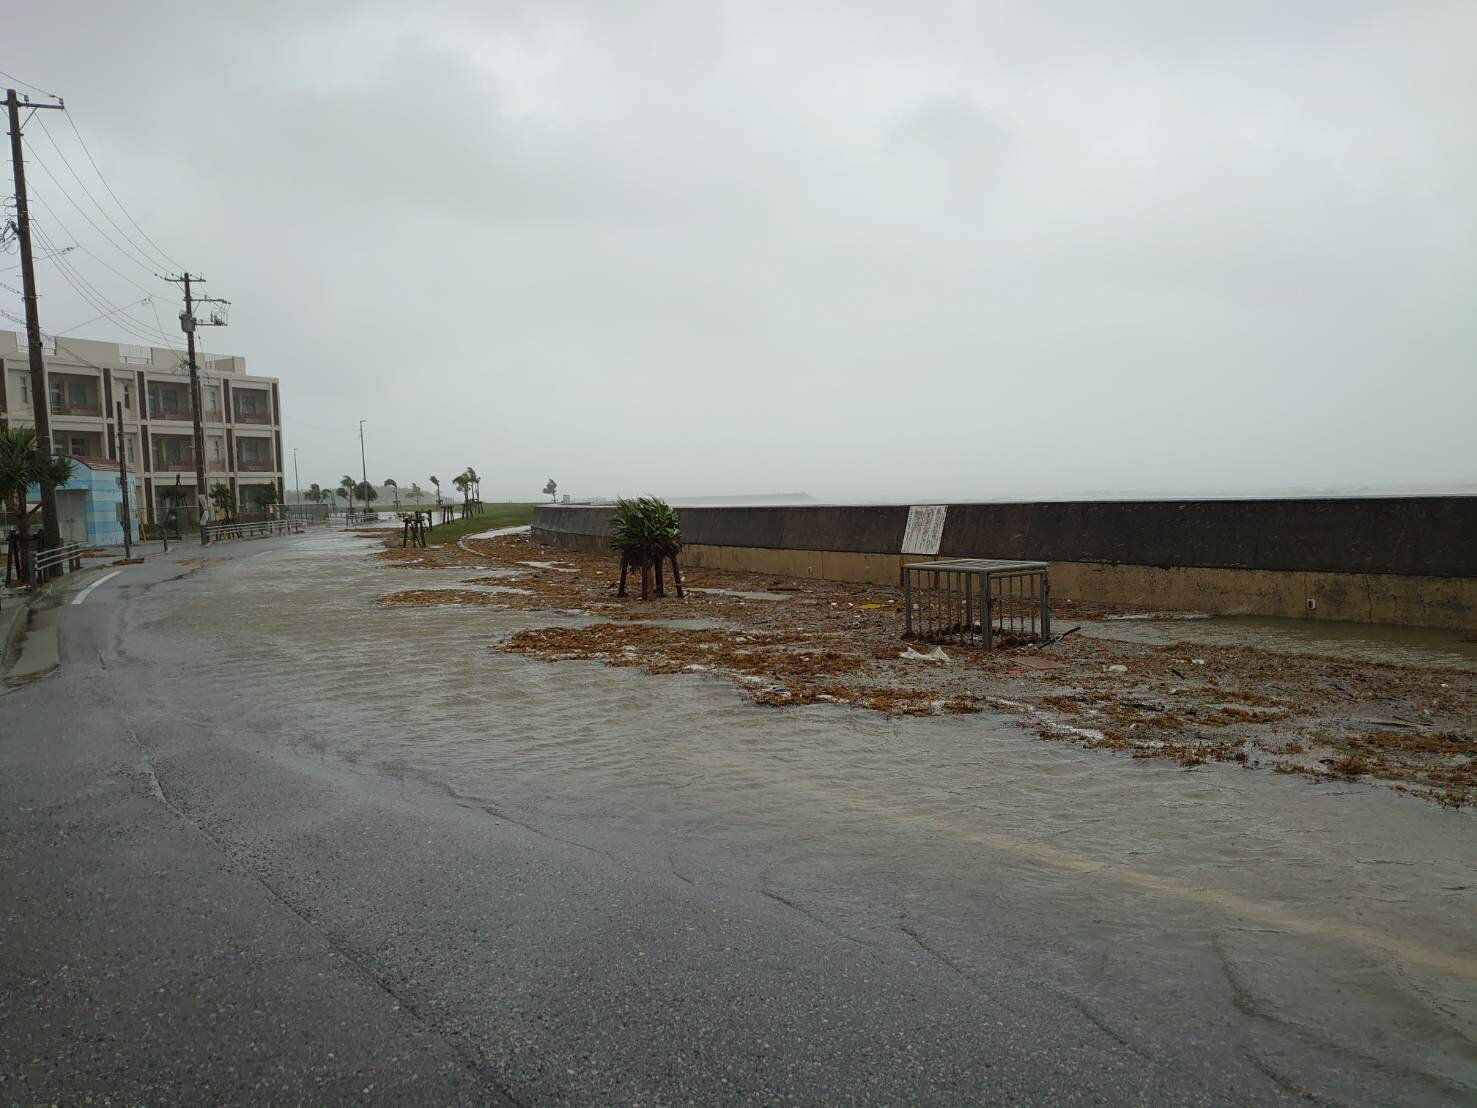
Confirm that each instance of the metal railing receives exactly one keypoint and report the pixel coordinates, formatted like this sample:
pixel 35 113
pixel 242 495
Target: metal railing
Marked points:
pixel 67 408
pixel 214 532
pixel 45 564
pixel 158 411
pixel 980 601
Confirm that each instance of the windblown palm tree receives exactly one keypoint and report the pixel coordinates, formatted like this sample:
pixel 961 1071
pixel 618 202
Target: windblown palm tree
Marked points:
pixel 390 484
pixel 463 481
pixel 645 532
pixel 437 482
pixel 22 464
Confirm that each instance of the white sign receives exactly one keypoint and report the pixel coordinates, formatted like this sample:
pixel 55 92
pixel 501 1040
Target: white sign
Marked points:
pixel 925 528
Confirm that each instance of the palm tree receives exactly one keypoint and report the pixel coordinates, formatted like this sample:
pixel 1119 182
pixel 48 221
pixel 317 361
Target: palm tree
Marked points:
pixel 225 501
pixel 437 482
pixel 23 464
pixel 314 493
pixel 347 485
pixel 389 483
pixel 416 492
pixel 463 481
pixel 476 484
pixel 645 532
pixel 552 490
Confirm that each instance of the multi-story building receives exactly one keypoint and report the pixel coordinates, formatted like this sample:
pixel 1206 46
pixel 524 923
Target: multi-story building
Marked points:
pixel 85 380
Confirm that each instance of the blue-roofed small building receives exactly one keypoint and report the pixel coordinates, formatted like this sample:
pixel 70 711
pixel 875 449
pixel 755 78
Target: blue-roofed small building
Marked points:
pixel 89 507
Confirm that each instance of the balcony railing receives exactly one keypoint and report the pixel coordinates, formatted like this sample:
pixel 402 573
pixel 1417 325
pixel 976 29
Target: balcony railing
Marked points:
pixel 184 464
pixel 259 466
pixel 63 408
pixel 253 417
pixel 158 411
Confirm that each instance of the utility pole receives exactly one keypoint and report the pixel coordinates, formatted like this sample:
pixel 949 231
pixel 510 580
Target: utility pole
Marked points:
pixel 188 323
pixel 297 480
pixel 40 397
pixel 364 469
pixel 123 481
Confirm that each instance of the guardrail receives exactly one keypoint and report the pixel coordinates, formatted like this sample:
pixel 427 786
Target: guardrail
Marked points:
pixel 44 563
pixel 217 531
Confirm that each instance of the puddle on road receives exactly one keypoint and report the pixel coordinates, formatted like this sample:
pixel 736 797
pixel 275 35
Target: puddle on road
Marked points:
pixel 1276 893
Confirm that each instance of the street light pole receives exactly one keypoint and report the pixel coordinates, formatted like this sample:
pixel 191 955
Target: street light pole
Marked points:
pixel 364 467
pixel 298 481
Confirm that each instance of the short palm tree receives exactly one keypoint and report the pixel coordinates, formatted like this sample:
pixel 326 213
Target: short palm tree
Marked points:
pixel 645 532
pixel 437 482
pixel 390 484
pixel 23 464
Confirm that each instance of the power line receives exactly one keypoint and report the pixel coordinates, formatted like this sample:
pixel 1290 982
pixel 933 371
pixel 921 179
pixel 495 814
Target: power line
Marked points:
pixel 38 88
pixel 83 185
pixel 114 195
pixel 66 267
pixel 95 298
pixel 145 266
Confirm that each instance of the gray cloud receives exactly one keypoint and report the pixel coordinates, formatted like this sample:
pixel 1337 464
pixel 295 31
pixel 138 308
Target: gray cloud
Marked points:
pixel 864 250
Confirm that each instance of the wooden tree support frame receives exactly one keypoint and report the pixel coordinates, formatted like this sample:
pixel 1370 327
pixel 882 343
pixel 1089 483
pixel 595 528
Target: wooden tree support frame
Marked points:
pixel 630 562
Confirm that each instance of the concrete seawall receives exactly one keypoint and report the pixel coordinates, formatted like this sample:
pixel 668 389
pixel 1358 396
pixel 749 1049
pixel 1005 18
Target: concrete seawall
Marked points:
pixel 1397 560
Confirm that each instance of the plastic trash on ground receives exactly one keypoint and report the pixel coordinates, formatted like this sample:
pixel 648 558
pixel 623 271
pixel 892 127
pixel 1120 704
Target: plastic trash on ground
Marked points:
pixel 935 655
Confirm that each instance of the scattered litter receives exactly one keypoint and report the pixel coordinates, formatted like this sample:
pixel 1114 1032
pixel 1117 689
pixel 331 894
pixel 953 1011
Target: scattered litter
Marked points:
pixel 935 655
pixel 1115 669
pixel 874 607
pixel 1197 661
pixel 1031 661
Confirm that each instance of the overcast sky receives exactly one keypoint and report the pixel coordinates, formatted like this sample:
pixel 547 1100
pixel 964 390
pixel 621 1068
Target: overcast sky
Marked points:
pixel 869 251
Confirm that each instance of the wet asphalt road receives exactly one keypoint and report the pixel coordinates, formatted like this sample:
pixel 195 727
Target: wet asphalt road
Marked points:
pixel 197 909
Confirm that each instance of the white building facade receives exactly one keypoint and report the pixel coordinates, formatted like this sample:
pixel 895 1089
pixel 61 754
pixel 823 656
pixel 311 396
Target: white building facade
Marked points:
pixel 86 380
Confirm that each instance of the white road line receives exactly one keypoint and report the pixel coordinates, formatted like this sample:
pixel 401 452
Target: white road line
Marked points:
pixel 83 595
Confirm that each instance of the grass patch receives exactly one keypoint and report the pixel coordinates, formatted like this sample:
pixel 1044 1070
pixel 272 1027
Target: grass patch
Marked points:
pixel 493 515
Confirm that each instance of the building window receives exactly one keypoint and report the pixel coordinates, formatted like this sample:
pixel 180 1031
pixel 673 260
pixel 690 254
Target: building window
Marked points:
pixel 248 404
pixel 250 450
pixel 25 385
pixel 128 450
pixel 213 399
pixel 174 450
pixel 79 447
pixel 55 389
pixel 135 355
pixel 216 454
pixel 128 396
pixel 77 392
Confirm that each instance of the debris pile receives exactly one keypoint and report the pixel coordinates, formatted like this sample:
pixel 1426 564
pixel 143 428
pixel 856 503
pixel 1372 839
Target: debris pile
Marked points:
pixel 786 642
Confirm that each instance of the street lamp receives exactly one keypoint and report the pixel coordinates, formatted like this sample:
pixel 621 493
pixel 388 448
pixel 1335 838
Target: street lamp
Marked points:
pixel 364 468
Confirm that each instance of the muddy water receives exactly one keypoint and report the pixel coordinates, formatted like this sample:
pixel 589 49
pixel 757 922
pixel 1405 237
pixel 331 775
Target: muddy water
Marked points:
pixel 1317 927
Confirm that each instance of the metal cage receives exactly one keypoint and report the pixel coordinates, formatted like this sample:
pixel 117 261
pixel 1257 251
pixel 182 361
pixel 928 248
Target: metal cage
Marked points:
pixel 977 600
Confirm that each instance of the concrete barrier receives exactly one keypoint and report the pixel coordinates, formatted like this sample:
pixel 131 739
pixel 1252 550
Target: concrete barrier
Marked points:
pixel 1398 560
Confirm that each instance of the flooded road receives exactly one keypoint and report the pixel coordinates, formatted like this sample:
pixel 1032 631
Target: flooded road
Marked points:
pixel 1316 939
